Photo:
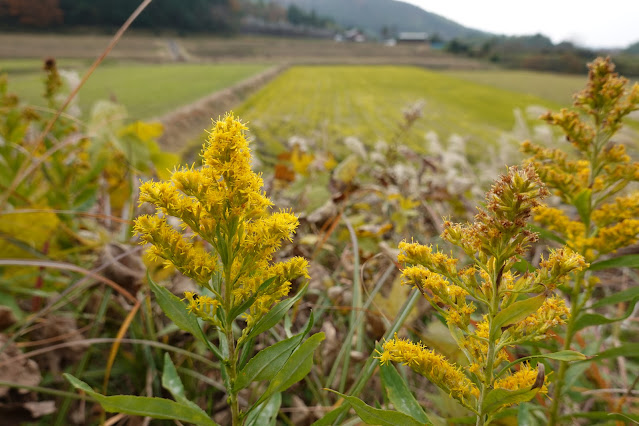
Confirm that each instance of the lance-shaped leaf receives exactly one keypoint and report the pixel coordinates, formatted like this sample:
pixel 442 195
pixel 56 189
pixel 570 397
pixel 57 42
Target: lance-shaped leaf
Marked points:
pixel 376 416
pixel 275 315
pixel 498 398
pixel 620 297
pixel 399 394
pixel 515 313
pixel 295 369
pixel 177 312
pixel 587 320
pixel 172 383
pixel 266 413
pixel 157 408
pixel 565 355
pixel 268 362
pixel 627 261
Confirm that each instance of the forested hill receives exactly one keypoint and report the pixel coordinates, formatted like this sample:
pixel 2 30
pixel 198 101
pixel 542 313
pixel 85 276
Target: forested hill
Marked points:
pixel 223 16
pixel 216 16
pixel 375 16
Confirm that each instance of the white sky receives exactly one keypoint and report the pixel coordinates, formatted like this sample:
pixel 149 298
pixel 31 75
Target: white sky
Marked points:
pixel 609 23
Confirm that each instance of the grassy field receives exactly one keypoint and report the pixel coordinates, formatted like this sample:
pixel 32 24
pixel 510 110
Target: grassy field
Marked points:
pixel 244 49
pixel 558 88
pixel 146 90
pixel 328 103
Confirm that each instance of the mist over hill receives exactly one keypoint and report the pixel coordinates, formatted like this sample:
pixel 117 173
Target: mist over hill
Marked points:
pixel 374 16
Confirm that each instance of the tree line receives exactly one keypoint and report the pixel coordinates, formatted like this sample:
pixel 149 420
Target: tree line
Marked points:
pixel 208 16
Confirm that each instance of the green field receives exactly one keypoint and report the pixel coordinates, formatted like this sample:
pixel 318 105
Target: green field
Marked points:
pixel 554 87
pixel 146 90
pixel 328 103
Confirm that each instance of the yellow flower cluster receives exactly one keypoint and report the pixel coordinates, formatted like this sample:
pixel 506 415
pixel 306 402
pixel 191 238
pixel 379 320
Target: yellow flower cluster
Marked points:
pixel 418 254
pixel 434 367
pixel 534 327
pixel 601 170
pixel 525 378
pixel 223 203
pixel 476 345
pixel 168 244
pixel 622 208
pixel 499 231
pixel 204 307
pixel 493 241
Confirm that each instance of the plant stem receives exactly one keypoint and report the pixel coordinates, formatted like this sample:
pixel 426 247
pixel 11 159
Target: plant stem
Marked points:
pixel 230 342
pixel 232 371
pixel 487 384
pixel 575 310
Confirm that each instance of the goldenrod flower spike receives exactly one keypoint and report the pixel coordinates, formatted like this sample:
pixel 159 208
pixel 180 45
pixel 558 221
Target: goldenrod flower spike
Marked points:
pixel 432 366
pixel 599 216
pixel 493 242
pixel 223 204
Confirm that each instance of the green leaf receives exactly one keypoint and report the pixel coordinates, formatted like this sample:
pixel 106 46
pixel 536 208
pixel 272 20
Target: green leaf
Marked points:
pixel 295 369
pixel 376 416
pixel 331 417
pixel 548 235
pixel 623 296
pixel 170 379
pixel 627 261
pixel 603 415
pixel 523 266
pixel 238 310
pixel 566 355
pixel 172 383
pixel 515 313
pixel 400 396
pixel 525 416
pixel 628 350
pixel 275 315
pixel 582 203
pixel 498 398
pixel 587 320
pixel 176 310
pixel 266 412
pixel 268 362
pixel 157 408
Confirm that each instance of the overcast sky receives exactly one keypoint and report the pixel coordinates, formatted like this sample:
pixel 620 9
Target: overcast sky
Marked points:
pixel 610 23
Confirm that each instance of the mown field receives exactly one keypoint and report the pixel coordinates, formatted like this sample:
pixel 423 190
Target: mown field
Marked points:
pixel 327 103
pixel 558 88
pixel 147 90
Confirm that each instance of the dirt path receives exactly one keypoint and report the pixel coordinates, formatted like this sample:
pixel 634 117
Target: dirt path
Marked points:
pixel 184 125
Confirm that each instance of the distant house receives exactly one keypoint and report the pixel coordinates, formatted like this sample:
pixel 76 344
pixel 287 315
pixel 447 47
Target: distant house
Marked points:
pixel 412 37
pixel 354 35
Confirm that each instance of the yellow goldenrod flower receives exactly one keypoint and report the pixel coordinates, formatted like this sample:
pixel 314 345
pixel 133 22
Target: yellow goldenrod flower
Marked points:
pixel 204 307
pixel 594 222
pixel 223 203
pixel 192 261
pixel 430 365
pixel 552 313
pixel 417 254
pixel 525 378
pixel 620 209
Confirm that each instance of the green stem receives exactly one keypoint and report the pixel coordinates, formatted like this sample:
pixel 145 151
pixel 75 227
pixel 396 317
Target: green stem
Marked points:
pixel 230 342
pixel 487 383
pixel 575 309
pixel 232 372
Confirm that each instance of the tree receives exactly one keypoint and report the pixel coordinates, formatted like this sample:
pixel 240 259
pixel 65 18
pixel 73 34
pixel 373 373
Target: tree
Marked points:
pixel 31 13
